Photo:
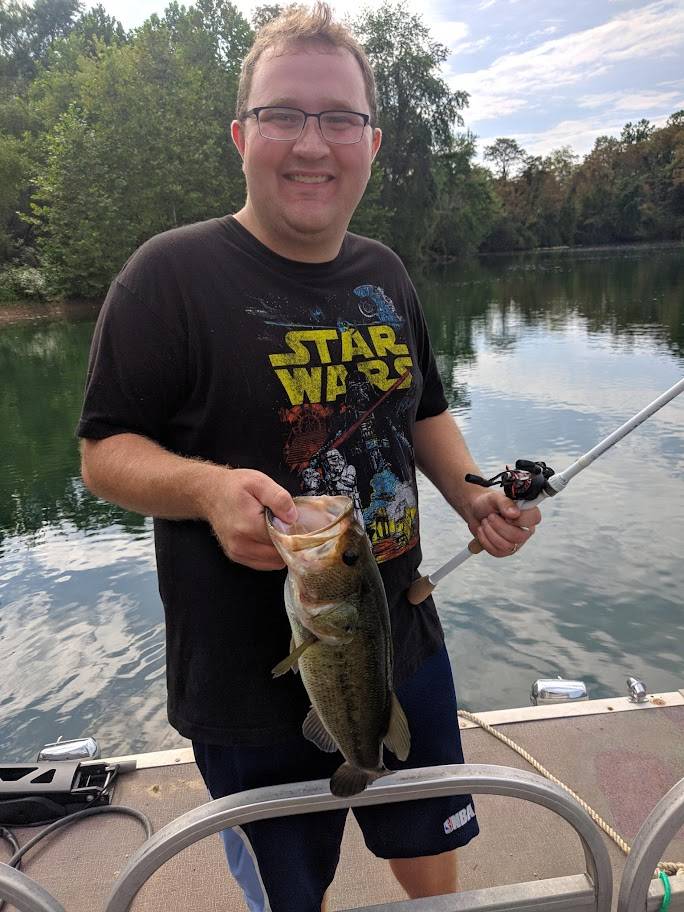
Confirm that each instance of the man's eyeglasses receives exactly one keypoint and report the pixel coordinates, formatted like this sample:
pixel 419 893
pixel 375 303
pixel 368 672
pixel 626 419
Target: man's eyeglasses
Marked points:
pixel 287 124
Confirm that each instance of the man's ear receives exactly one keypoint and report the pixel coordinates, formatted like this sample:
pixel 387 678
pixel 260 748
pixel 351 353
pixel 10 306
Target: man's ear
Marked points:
pixel 237 134
pixel 376 142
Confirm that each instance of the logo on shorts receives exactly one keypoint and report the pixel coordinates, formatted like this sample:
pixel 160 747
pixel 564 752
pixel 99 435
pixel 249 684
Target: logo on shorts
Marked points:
pixel 456 821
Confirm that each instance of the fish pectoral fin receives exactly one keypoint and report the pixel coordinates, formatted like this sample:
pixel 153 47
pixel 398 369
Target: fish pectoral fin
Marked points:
pixel 349 780
pixel 291 661
pixel 398 737
pixel 314 731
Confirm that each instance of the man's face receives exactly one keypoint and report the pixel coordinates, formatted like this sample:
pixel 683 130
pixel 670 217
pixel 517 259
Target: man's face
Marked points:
pixel 302 193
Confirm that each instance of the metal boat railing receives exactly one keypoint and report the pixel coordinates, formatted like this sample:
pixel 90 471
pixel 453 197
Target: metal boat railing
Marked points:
pixel 25 894
pixel 590 891
pixel 638 891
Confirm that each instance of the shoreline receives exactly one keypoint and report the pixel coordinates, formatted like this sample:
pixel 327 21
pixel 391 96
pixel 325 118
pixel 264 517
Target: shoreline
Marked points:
pixel 27 311
pixel 23 311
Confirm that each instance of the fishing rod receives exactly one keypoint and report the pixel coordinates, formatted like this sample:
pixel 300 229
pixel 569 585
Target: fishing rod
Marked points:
pixel 529 483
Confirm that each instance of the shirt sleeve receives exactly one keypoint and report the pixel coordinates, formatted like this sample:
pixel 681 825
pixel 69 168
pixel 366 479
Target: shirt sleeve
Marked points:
pixel 137 373
pixel 432 401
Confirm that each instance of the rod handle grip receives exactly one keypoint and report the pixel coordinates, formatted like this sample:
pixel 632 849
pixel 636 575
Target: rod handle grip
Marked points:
pixel 419 590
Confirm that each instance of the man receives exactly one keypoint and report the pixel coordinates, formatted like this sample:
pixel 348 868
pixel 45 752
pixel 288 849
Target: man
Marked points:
pixel 217 378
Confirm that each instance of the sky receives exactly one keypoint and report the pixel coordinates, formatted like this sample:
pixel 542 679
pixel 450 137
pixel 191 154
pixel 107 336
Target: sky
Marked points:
pixel 548 73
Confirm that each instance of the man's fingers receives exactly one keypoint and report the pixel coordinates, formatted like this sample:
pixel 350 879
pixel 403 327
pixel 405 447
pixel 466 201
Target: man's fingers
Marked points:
pixel 277 499
pixel 500 538
pixel 256 555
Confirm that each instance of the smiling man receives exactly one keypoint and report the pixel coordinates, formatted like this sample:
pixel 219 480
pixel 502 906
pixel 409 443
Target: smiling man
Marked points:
pixel 243 360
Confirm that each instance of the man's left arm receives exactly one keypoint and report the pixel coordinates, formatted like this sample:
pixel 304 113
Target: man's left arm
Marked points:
pixel 443 456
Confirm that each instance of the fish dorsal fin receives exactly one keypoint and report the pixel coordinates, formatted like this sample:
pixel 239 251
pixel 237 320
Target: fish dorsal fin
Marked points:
pixel 291 661
pixel 314 731
pixel 398 737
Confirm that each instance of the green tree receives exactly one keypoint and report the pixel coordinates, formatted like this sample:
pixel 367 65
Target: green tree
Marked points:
pixel 148 127
pixel 417 113
pixel 264 13
pixel 466 206
pixel 638 132
pixel 506 154
pixel 13 177
pixel 28 32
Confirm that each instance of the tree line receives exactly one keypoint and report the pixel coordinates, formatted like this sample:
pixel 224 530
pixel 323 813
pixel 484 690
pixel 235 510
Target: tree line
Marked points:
pixel 109 136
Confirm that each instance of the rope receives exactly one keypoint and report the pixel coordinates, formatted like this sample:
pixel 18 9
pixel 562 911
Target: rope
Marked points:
pixel 670 868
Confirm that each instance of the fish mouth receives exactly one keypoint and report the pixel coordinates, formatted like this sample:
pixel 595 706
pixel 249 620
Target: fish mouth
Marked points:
pixel 320 519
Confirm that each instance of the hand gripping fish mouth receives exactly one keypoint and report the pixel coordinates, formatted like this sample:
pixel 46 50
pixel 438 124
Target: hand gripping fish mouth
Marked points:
pixel 341 639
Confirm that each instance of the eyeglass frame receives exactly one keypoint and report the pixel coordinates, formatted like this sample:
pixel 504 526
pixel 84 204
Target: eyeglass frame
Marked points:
pixel 255 112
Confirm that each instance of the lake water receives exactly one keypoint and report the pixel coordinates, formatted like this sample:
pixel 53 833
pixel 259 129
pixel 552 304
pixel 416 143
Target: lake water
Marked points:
pixel 541 356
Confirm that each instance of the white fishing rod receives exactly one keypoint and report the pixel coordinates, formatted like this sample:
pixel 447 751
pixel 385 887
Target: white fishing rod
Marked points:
pixel 534 482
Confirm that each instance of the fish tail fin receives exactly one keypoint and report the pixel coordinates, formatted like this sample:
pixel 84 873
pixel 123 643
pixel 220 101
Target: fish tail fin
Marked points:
pixel 349 780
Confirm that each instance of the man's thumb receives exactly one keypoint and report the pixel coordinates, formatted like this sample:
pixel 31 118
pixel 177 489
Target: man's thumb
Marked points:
pixel 278 501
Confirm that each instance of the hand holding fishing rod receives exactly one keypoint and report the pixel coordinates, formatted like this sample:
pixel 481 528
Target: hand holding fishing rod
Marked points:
pixel 532 482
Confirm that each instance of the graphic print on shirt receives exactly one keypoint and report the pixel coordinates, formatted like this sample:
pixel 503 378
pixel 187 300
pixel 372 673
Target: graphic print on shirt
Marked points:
pixel 347 390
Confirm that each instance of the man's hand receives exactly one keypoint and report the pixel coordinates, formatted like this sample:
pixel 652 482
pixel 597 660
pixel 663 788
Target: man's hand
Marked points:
pixel 236 515
pixel 140 475
pixel 499 525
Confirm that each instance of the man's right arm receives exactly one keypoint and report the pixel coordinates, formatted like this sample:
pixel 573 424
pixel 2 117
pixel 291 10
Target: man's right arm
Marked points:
pixel 140 475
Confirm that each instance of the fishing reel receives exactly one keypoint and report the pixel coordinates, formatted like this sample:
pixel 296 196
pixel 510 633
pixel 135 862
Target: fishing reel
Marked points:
pixel 525 482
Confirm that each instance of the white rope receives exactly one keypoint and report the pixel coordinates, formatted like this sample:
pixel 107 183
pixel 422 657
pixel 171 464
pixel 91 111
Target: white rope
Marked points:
pixel 669 867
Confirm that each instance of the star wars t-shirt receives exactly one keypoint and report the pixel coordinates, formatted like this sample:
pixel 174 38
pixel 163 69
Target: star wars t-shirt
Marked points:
pixel 216 347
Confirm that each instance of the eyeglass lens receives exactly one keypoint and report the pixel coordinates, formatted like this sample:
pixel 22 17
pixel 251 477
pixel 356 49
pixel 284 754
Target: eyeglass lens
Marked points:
pixel 288 123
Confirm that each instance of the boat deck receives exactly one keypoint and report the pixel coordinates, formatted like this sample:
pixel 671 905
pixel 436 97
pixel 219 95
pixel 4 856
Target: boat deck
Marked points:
pixel 620 758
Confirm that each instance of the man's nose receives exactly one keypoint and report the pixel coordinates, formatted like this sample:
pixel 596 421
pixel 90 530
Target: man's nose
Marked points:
pixel 310 141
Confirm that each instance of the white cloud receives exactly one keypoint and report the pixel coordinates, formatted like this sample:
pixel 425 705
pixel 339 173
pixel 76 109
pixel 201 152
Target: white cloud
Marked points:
pixel 540 33
pixel 633 102
pixel 471 47
pixel 656 29
pixel 579 133
pixel 451 33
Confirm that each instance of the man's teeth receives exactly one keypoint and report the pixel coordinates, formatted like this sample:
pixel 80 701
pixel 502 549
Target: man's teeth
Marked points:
pixel 308 179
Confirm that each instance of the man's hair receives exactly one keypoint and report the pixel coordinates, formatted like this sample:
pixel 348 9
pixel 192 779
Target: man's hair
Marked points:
pixel 297 25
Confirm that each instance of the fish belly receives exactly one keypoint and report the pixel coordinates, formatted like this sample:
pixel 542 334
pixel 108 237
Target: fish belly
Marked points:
pixel 349 689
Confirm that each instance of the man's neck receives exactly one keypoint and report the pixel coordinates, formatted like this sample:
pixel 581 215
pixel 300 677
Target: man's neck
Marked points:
pixel 308 250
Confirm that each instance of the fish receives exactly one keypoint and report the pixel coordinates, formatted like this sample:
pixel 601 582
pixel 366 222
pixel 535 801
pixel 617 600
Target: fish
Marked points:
pixel 341 639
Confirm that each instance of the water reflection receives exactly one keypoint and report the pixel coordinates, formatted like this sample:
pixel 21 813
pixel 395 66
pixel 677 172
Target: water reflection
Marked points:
pixel 541 356
pixel 42 371
pixel 634 298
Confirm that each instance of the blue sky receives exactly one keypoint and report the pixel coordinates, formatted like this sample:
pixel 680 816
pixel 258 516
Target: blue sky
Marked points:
pixel 549 73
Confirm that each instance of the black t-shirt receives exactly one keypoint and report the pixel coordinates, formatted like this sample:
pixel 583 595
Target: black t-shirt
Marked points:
pixel 216 347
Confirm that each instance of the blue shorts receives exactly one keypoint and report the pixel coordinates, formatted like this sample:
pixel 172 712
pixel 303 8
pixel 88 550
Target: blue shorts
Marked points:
pixel 289 862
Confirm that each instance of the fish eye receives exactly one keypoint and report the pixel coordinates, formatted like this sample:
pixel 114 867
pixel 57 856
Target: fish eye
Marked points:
pixel 350 557
pixel 349 628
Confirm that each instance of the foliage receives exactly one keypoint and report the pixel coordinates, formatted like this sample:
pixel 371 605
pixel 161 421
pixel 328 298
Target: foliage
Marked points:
pixel 108 137
pixel 627 189
pixel 417 113
pixel 20 283
pixel 506 154
pixel 148 128
pixel 28 32
pixel 466 203
pixel 13 177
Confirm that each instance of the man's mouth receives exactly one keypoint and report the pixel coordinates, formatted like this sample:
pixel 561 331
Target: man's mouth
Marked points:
pixel 309 178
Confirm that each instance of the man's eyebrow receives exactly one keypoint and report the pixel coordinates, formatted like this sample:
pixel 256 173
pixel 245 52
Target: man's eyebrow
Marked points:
pixel 328 104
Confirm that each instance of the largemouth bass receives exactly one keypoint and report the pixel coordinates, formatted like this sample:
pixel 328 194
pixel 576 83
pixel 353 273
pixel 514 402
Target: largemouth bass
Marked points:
pixel 342 644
